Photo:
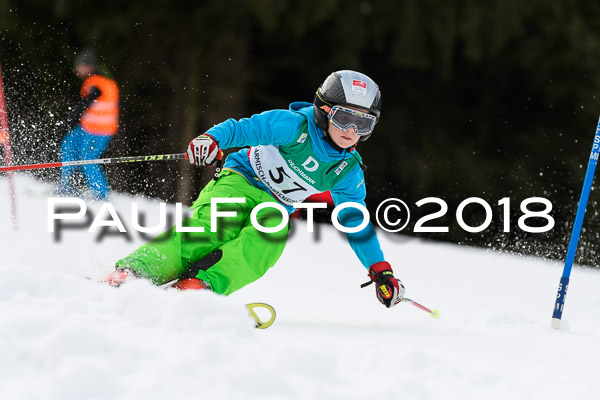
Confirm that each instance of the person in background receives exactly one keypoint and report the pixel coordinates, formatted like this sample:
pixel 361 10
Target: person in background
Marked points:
pixel 97 116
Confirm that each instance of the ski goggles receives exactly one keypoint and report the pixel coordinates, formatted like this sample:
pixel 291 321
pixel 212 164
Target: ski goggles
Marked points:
pixel 345 118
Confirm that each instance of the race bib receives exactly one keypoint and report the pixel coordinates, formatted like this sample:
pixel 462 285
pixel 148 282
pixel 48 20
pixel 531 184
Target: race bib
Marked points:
pixel 288 182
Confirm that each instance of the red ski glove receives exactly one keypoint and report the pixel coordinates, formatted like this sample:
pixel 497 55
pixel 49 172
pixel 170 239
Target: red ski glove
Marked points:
pixel 389 290
pixel 204 151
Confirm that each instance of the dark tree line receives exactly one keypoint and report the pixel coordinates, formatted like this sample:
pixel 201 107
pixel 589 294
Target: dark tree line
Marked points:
pixel 480 99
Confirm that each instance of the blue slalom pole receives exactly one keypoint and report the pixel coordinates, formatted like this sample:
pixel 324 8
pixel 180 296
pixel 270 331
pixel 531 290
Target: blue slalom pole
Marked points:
pixel 583 200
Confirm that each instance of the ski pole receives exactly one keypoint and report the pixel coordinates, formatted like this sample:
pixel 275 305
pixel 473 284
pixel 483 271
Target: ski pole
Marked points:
pixel 433 312
pixel 115 160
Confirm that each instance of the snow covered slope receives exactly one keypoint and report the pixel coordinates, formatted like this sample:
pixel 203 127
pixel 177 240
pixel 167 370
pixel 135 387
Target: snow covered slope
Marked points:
pixel 66 337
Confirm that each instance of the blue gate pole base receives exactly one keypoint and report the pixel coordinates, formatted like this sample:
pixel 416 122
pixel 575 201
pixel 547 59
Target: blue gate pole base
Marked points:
pixel 560 302
pixel 555 323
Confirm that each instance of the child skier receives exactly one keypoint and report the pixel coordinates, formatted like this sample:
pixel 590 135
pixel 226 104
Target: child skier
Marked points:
pixel 287 155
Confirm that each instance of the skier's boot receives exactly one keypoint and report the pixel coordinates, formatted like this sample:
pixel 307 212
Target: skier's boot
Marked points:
pixel 118 277
pixel 189 281
pixel 191 284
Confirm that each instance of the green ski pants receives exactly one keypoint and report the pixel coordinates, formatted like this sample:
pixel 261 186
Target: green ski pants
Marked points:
pixel 230 258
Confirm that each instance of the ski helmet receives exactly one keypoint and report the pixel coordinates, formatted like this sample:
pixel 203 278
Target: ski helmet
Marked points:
pixel 346 88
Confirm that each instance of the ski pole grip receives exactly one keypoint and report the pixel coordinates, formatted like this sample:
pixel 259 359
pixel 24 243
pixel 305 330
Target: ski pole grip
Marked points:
pixel 260 324
pixel 364 285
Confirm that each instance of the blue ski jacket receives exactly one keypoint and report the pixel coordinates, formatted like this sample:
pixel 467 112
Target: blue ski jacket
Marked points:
pixel 279 128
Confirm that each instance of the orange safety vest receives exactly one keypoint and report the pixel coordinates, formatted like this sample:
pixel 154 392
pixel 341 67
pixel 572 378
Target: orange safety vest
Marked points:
pixel 102 116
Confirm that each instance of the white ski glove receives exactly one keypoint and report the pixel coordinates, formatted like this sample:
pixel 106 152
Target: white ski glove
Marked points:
pixel 204 151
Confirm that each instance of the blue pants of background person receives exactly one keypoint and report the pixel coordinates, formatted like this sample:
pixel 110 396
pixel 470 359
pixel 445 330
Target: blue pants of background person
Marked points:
pixel 80 145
